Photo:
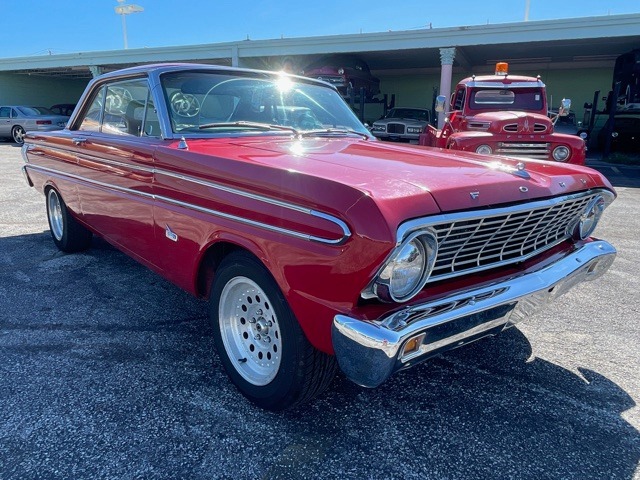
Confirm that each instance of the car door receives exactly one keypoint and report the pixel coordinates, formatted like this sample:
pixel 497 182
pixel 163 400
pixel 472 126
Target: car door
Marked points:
pixel 114 166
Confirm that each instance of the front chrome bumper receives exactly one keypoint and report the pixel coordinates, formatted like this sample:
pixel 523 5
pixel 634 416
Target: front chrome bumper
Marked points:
pixel 369 352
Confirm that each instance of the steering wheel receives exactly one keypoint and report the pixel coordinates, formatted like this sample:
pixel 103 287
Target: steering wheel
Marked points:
pixel 117 100
pixel 184 104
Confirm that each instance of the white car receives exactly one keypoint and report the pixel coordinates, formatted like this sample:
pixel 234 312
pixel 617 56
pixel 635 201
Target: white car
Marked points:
pixel 16 120
pixel 402 124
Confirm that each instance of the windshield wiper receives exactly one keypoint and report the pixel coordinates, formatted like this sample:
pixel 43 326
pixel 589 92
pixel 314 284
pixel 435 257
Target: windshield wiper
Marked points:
pixel 333 131
pixel 255 125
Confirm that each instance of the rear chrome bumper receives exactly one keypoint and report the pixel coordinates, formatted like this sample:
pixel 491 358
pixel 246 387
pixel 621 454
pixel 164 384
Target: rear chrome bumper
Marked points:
pixel 369 352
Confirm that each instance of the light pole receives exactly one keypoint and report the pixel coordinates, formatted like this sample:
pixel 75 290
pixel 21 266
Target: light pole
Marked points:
pixel 126 9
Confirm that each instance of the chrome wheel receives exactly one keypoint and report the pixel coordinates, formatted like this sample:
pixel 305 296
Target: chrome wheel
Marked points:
pixel 18 134
pixel 250 331
pixel 56 220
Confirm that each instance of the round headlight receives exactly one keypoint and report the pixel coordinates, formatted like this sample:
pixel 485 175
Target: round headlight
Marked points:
pixel 405 271
pixel 561 153
pixel 583 135
pixel 341 71
pixel 590 217
pixel 408 269
pixel 484 150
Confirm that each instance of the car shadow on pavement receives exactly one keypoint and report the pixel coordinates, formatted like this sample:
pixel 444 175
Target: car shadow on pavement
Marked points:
pixel 488 410
pixel 107 370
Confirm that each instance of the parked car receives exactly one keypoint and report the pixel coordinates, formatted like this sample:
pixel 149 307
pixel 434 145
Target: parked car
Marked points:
pixel 15 120
pixel 625 136
pixel 64 109
pixel 346 73
pixel 315 245
pixel 403 124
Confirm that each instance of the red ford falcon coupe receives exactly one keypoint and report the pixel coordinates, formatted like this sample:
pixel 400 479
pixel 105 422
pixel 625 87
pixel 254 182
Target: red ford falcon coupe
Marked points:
pixel 317 245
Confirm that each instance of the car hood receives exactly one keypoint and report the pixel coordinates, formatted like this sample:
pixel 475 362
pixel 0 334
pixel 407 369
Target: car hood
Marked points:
pixel 387 172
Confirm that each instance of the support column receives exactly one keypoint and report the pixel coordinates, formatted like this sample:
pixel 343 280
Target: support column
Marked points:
pixel 236 59
pixel 446 61
pixel 95 70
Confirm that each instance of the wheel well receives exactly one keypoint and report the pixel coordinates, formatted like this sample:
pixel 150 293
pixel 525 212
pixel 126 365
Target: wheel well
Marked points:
pixel 209 263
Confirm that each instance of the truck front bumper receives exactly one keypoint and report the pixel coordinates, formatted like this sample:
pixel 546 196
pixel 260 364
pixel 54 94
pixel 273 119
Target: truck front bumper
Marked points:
pixel 369 352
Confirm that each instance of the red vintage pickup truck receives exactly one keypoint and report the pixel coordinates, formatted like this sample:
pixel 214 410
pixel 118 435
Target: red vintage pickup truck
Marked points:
pixel 317 245
pixel 506 115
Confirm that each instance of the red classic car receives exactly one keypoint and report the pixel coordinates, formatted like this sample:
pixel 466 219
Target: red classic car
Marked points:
pixel 316 244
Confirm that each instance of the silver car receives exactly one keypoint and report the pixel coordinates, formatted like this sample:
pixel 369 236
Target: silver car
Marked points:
pixel 16 120
pixel 402 124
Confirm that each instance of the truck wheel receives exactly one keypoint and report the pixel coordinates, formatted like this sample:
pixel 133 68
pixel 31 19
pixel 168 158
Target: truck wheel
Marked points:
pixel 68 235
pixel 18 133
pixel 258 339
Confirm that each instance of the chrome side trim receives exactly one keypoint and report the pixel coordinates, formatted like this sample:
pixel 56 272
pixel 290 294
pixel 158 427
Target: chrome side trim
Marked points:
pixel 370 351
pixel 217 213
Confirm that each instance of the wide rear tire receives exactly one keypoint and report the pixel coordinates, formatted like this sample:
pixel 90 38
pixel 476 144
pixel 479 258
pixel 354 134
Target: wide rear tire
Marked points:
pixel 259 341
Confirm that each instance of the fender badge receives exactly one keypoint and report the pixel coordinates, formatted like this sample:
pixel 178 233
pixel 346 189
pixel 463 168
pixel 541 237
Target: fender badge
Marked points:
pixel 171 235
pixel 474 195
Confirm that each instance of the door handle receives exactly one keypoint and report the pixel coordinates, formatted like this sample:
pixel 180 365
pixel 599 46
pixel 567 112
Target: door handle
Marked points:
pixel 79 141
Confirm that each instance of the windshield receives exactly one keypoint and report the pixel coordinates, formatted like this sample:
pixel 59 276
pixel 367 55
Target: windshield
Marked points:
pixel 506 99
pixel 411 113
pixel 212 103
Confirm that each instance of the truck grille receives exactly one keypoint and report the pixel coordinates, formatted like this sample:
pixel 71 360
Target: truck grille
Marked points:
pixel 395 128
pixel 536 150
pixel 513 128
pixel 503 236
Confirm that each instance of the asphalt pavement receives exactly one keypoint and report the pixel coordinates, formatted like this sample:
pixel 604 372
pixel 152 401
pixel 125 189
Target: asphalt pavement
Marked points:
pixel 109 371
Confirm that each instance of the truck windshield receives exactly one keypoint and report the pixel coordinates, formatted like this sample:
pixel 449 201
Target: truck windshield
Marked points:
pixel 507 99
pixel 221 103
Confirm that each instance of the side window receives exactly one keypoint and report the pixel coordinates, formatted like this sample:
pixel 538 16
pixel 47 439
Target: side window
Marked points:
pixel 5 112
pixel 93 117
pixel 151 127
pixel 458 100
pixel 119 108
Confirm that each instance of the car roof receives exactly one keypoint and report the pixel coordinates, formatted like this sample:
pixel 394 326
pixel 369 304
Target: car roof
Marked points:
pixel 160 68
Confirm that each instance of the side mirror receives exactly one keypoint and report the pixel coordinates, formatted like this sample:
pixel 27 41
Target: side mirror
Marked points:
pixel 565 106
pixel 440 102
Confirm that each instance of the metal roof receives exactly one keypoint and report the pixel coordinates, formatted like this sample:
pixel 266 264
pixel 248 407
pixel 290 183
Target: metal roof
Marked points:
pixel 563 43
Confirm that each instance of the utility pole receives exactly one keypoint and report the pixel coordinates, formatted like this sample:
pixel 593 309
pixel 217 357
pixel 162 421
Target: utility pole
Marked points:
pixel 123 10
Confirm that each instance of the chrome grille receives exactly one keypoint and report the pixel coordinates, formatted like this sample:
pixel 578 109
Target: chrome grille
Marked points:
pixel 503 236
pixel 395 128
pixel 536 150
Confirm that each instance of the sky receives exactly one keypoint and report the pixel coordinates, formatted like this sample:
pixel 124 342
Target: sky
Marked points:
pixel 44 27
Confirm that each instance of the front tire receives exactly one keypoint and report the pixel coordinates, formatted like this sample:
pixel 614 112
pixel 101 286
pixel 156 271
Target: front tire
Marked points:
pixel 18 133
pixel 68 235
pixel 259 340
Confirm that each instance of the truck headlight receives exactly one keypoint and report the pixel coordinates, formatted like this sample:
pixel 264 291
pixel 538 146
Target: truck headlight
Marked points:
pixel 590 217
pixel 408 269
pixel 561 153
pixel 484 150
